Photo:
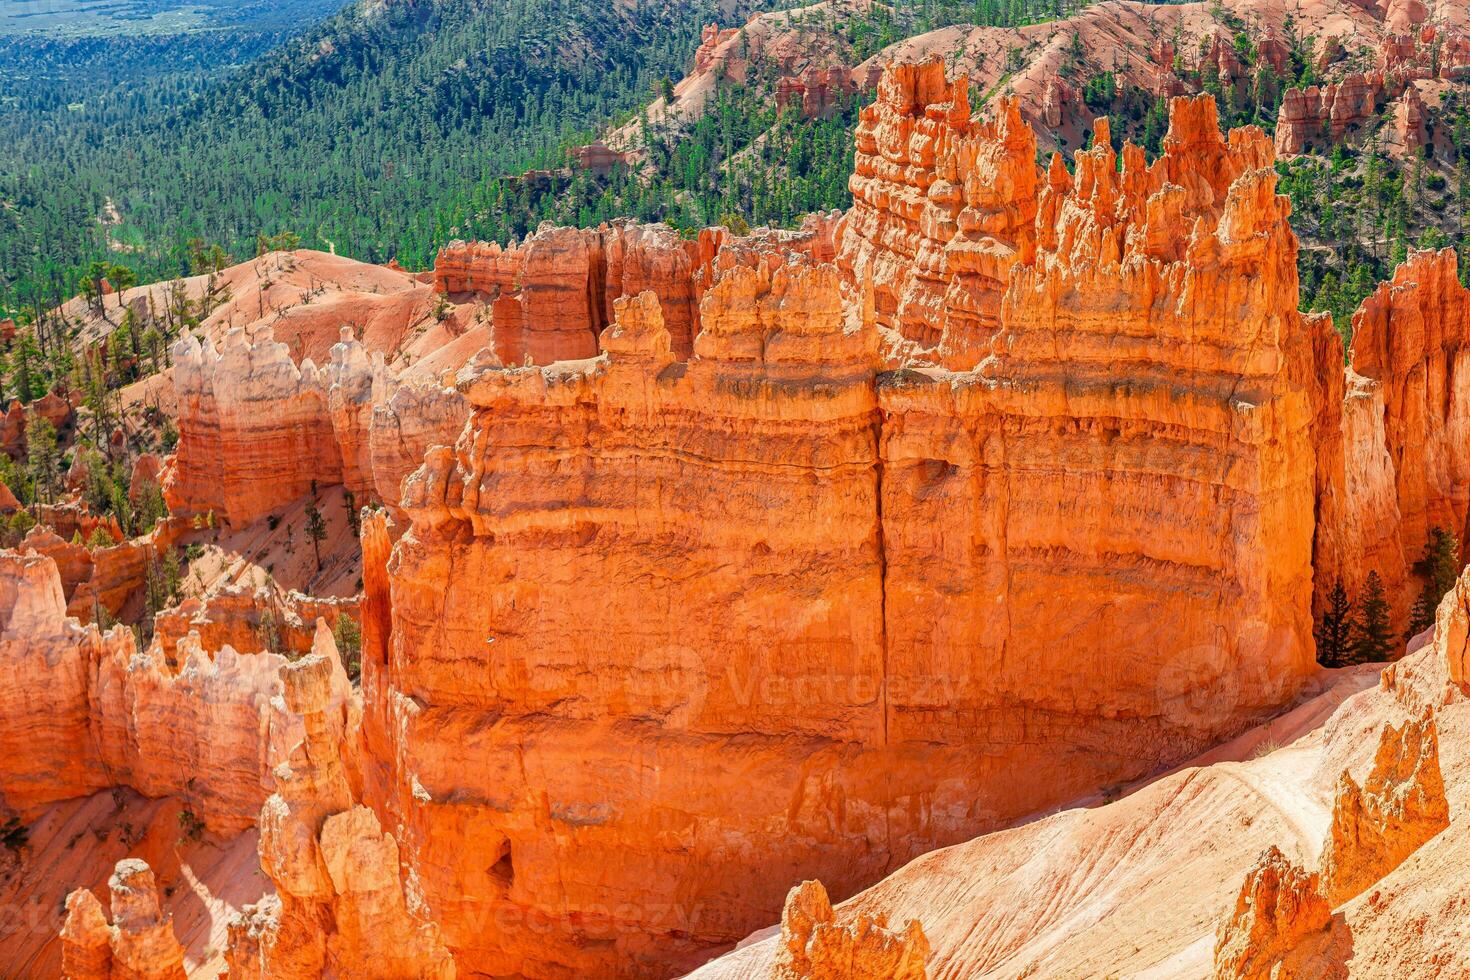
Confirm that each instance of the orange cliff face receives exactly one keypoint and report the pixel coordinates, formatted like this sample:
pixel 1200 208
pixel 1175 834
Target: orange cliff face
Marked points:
pixel 1134 458
pixel 89 711
pixel 665 635
pixel 257 431
pixel 807 554
pixel 552 295
pixel 1401 469
pixel 943 206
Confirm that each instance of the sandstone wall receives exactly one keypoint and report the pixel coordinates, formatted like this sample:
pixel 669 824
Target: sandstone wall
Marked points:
pixel 278 428
pixel 86 710
pixel 666 635
pixel 1403 426
pixel 552 294
pixel 943 206
pixel 254 429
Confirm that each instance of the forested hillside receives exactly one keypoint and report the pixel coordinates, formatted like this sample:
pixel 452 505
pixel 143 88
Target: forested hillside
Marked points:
pixel 365 135
pixel 393 127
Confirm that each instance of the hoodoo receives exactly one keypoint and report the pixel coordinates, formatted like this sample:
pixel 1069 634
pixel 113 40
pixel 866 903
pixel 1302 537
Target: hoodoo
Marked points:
pixel 915 603
pixel 675 587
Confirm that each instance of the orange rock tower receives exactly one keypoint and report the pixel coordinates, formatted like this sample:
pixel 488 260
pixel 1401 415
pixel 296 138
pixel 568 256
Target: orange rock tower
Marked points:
pixel 664 634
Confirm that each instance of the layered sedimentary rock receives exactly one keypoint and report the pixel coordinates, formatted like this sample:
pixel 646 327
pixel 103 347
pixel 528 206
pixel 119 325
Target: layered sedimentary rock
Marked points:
pixel 409 417
pixel 90 711
pixel 552 294
pixel 100 581
pixel 666 465
pixel 255 431
pixel 145 477
pixel 1391 455
pixel 1128 889
pixel 138 945
pixel 1322 116
pixel 1400 806
pixel 265 619
pixel 814 946
pixel 873 570
pixel 282 429
pixel 1452 632
pixel 1279 925
pixel 1057 467
pixel 52 407
pixel 348 378
pixel 339 907
pixel 1327 114
pixel 943 206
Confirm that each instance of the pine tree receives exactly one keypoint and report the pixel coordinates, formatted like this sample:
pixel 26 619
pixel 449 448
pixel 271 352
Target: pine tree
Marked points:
pixel 1372 635
pixel 1440 566
pixel 43 457
pixel 316 529
pixel 1335 632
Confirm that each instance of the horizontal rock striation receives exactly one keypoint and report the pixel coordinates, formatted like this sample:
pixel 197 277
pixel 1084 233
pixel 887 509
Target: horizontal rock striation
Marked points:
pixel 912 604
pixel 90 711
pixel 552 294
pixel 279 429
pixel 1392 455
pixel 254 429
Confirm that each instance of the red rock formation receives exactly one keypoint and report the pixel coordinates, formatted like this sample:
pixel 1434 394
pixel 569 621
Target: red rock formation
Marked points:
pixel 1044 543
pixel 1408 120
pixel 1407 407
pixel 710 41
pixel 86 952
pixel 248 421
pixel 145 477
pixel 339 908
pixel 91 711
pixel 1321 116
pixel 597 158
pixel 139 945
pixel 349 382
pixel 359 422
pixel 943 206
pixel 814 946
pixel 816 91
pixel 553 294
pixel 1280 923
pixel 51 406
pixel 98 581
pixel 250 620
pixel 1327 114
pixel 802 499
pixel 1452 632
pixel 409 416
pixel 1377 826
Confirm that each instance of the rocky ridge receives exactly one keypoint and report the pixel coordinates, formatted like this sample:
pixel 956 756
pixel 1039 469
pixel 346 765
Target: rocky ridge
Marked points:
pixel 879 583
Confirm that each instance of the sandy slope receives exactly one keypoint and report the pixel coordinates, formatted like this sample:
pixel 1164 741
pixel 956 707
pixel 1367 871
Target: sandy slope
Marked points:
pixel 76 844
pixel 1137 888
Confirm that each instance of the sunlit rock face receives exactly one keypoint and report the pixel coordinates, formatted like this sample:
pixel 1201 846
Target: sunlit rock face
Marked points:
pixel 1394 458
pixel 665 634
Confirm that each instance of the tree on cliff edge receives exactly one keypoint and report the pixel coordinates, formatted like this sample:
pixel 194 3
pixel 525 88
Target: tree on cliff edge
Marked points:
pixel 1335 632
pixel 1373 637
pixel 316 529
pixel 1440 566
